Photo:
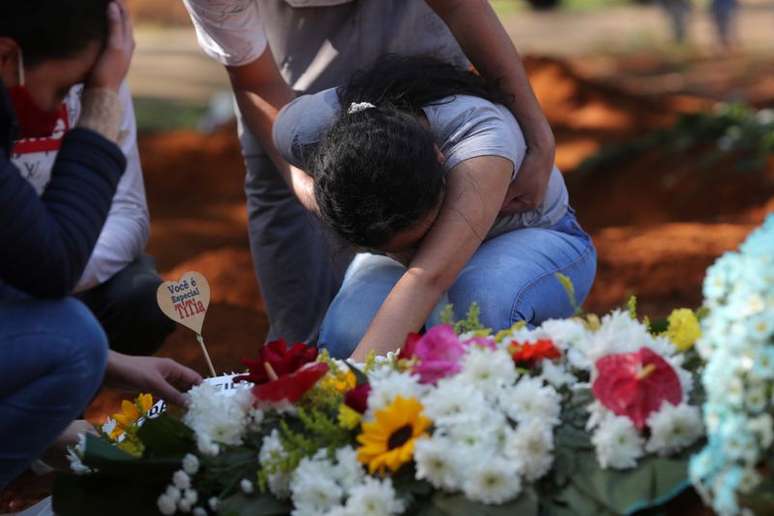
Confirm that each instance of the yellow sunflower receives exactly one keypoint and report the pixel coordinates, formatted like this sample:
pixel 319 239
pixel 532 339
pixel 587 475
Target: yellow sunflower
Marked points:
pixel 388 440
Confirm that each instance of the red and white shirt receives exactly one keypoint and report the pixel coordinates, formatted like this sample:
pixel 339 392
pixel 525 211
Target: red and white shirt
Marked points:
pixel 127 227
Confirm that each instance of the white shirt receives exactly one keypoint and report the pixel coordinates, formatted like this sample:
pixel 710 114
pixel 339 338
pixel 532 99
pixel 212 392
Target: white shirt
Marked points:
pixel 229 31
pixel 127 227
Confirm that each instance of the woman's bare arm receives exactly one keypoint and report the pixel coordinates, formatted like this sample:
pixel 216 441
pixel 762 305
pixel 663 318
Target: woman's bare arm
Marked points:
pixel 475 192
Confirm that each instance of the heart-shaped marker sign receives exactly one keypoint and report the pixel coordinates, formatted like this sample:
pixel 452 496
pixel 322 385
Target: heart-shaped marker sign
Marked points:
pixel 185 301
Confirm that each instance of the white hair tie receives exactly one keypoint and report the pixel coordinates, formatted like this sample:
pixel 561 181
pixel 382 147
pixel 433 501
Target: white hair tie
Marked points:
pixel 357 107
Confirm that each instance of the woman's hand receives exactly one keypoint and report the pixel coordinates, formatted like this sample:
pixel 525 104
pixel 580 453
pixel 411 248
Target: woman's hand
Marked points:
pixel 528 190
pixel 162 377
pixel 113 64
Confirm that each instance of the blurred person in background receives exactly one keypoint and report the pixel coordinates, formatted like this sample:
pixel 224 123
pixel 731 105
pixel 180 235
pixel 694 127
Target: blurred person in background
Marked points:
pixel 54 351
pixel 274 49
pixel 722 12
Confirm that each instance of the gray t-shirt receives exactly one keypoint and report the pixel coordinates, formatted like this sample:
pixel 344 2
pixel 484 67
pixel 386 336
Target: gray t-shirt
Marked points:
pixel 464 127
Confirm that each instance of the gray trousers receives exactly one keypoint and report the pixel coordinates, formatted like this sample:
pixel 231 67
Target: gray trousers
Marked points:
pixel 300 265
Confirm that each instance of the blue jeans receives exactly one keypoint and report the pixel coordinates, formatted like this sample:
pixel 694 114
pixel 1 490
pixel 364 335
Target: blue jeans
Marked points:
pixel 511 277
pixel 52 359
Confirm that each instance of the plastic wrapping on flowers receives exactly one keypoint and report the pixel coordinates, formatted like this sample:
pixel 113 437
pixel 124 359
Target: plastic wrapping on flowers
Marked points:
pixel 734 471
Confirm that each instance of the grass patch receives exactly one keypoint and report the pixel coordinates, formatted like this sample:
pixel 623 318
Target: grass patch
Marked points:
pixel 158 115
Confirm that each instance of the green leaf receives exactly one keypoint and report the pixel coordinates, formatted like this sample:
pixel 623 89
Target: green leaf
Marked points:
pixel 166 436
pixel 457 505
pixel 569 289
pixel 256 505
pixel 113 462
pixel 360 376
pixel 653 482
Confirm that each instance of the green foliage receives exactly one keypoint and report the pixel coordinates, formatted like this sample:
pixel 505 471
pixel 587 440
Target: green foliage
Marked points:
pixel 732 128
pixel 569 288
pixel 470 324
pixel 166 436
pixel 257 505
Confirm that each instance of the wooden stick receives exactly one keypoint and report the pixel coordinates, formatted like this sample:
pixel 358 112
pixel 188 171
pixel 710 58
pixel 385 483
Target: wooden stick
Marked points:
pixel 206 354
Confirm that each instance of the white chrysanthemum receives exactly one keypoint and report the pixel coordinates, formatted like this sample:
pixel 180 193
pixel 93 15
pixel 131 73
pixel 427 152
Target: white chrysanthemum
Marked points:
pixel 313 493
pixel 374 498
pixel 618 443
pixel 571 336
pixel 191 496
pixel 348 471
pixel 181 480
pixel 530 399
pixel 386 384
pixel 453 401
pixel 485 434
pixel 435 464
pixel 217 418
pixel 199 511
pixel 255 418
pixel 213 502
pixel 556 374
pixel 272 451
pixel 673 428
pixel 619 333
pixel 246 486
pixel 166 505
pixel 75 456
pixel 488 370
pixel 174 493
pixel 494 482
pixel 533 445
pixel 191 464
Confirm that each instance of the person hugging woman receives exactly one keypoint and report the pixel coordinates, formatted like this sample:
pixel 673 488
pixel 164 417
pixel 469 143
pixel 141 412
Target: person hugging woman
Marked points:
pixel 411 161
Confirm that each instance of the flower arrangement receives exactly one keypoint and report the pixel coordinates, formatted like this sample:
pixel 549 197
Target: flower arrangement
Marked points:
pixel 738 345
pixel 536 420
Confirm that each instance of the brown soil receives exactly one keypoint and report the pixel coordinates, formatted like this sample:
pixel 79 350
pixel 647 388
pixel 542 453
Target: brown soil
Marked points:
pixel 658 220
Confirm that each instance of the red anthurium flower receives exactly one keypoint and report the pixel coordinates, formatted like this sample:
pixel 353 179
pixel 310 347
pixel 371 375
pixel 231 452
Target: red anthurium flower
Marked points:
pixel 409 347
pixel 282 359
pixel 283 372
pixel 636 384
pixel 291 386
pixel 529 354
pixel 357 398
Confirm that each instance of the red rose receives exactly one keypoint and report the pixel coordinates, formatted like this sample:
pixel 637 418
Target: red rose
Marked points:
pixel 636 384
pixel 529 354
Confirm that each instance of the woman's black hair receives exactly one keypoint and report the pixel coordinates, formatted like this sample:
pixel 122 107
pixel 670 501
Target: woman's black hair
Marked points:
pixel 376 171
pixel 53 29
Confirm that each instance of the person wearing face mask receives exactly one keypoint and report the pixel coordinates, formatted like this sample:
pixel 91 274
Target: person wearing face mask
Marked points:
pixel 53 351
pixel 119 282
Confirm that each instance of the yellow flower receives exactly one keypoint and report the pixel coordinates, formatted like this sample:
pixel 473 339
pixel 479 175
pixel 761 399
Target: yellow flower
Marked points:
pixel 340 382
pixel 388 440
pixel 684 329
pixel 130 413
pixel 348 417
